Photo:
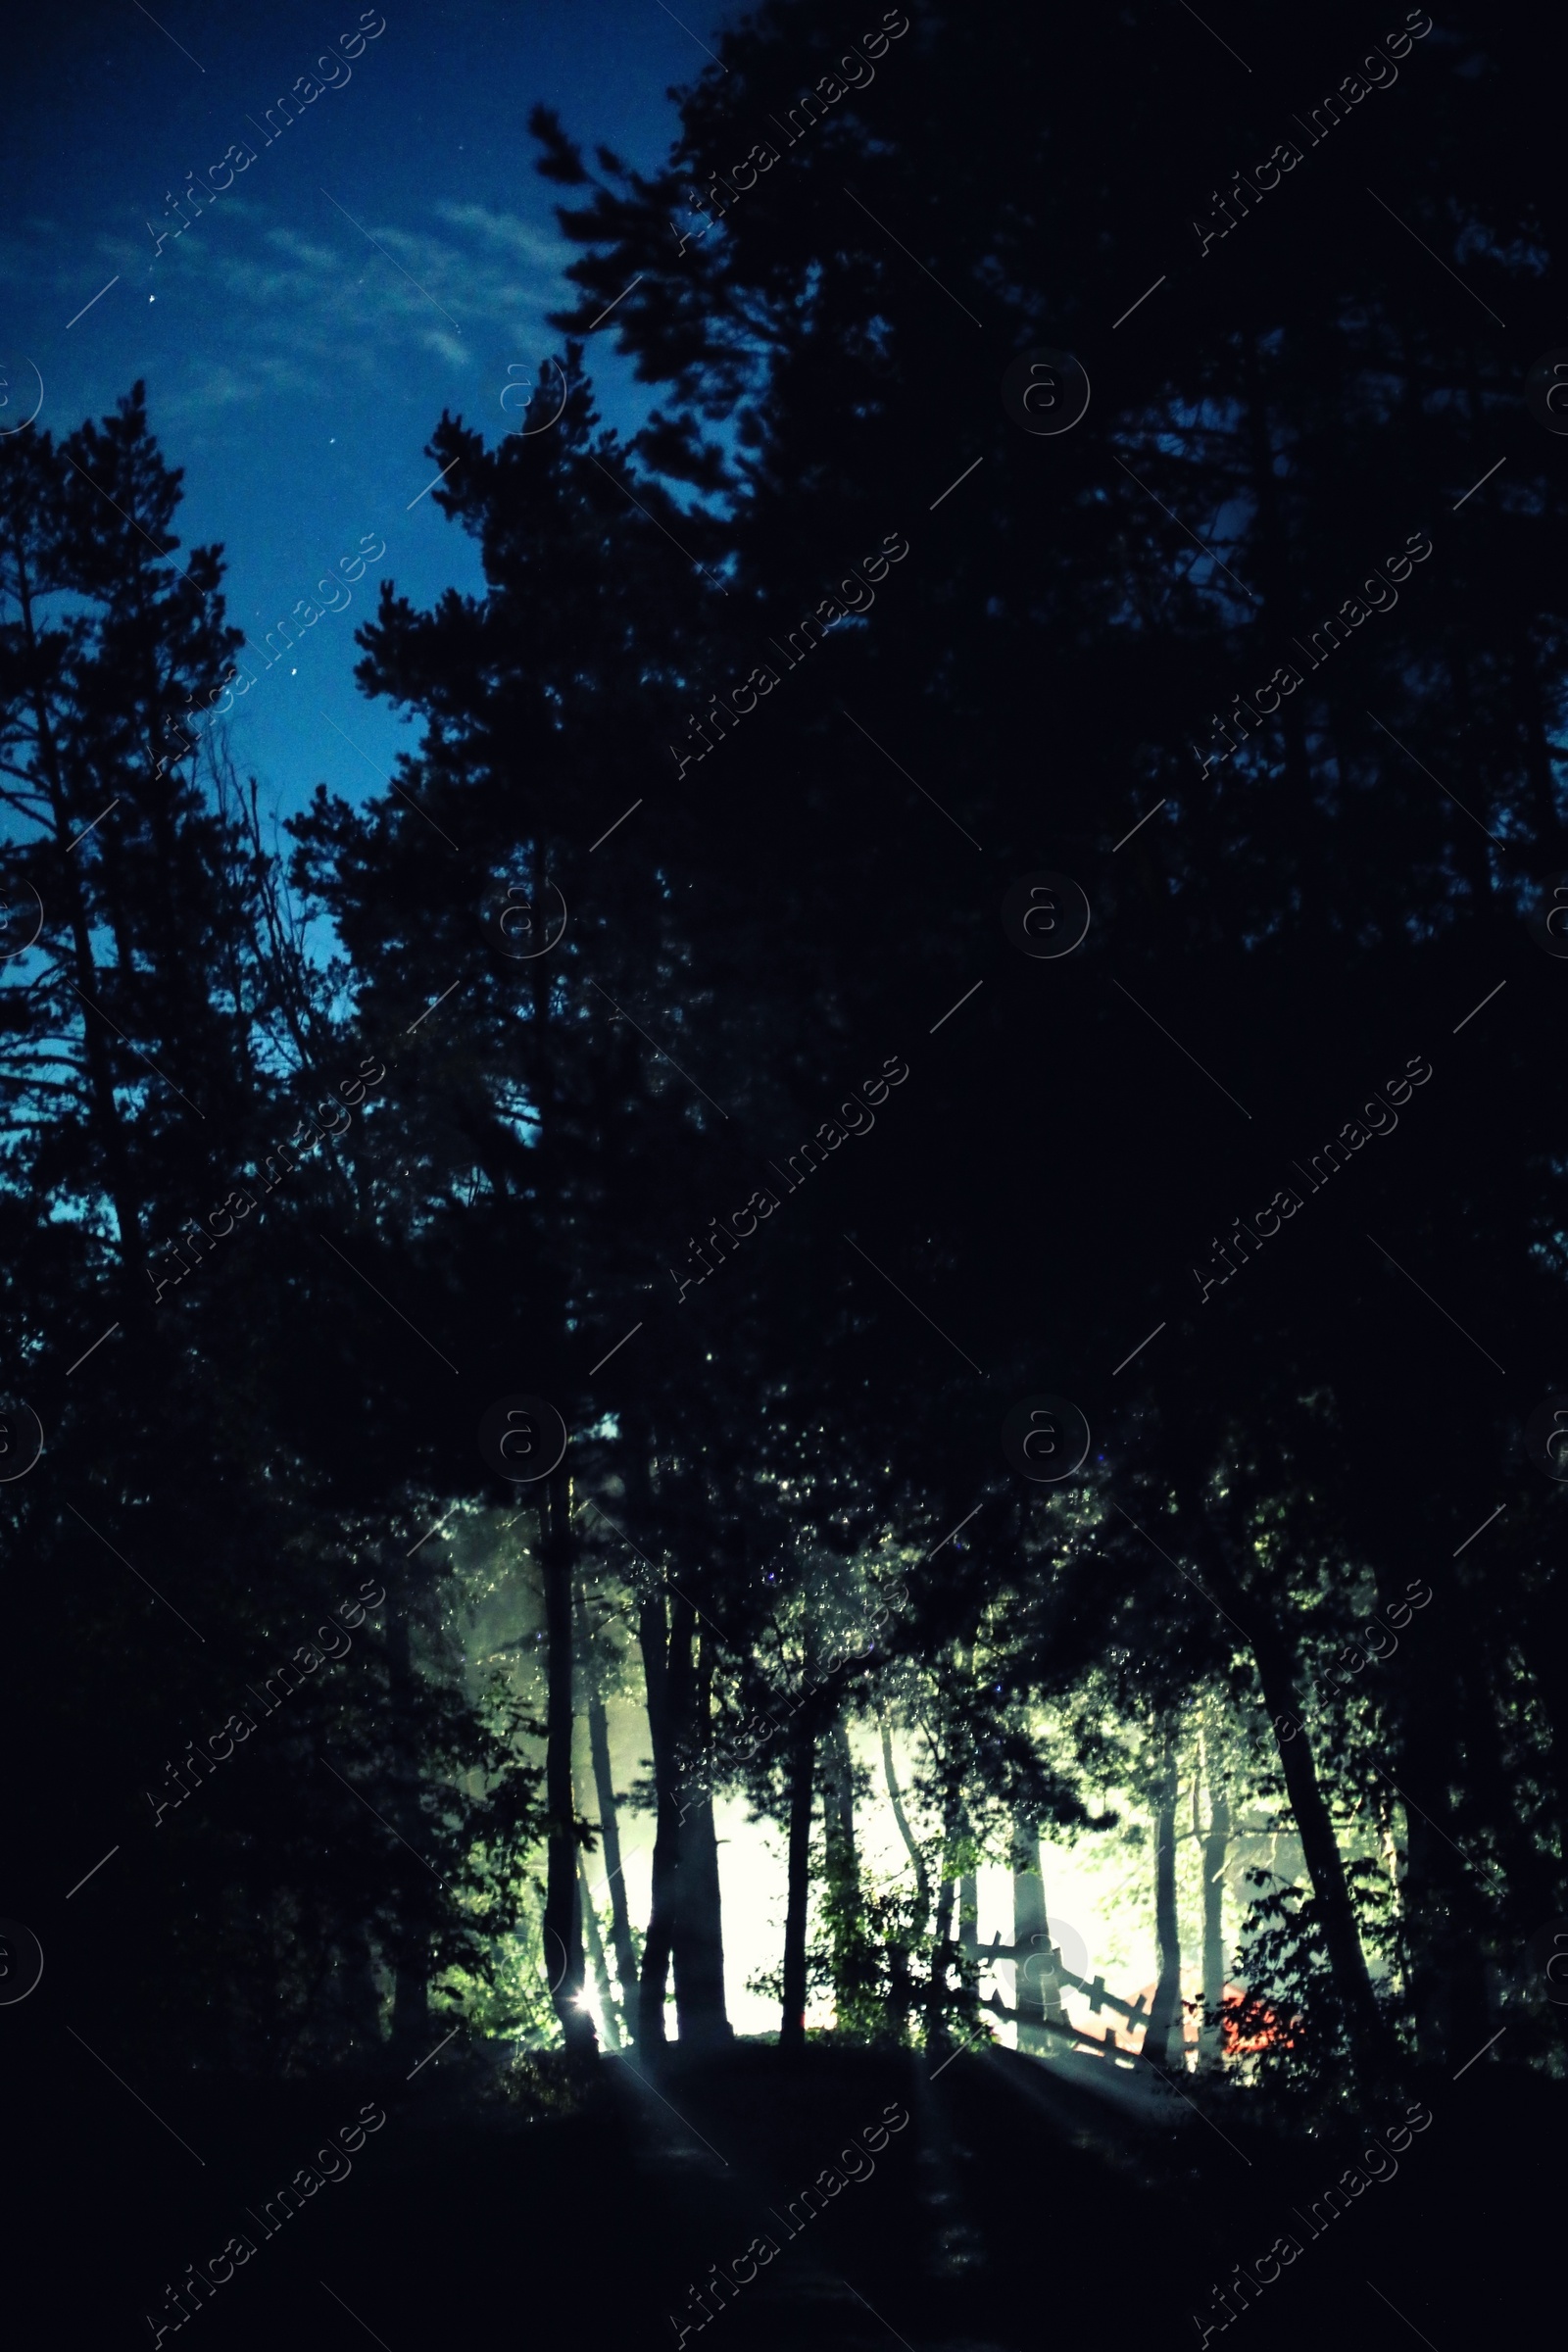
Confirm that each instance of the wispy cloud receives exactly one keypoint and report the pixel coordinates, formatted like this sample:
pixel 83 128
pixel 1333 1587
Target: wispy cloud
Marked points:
pixel 285 308
pixel 509 235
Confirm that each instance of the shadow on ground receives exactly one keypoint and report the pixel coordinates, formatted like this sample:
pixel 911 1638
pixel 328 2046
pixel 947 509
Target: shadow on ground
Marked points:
pixel 997 2203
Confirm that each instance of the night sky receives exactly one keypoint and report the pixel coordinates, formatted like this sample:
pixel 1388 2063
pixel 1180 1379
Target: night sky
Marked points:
pixel 294 367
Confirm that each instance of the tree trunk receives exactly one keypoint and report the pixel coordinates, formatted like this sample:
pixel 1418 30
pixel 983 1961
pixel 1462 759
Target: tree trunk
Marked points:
pixel 1215 1848
pixel 1164 2016
pixel 1035 1995
pixel 802 1758
pixel 969 1928
pixel 935 2031
pixel 621 1934
pixel 922 1876
pixel 968 1924
pixel 901 1987
pixel 1320 1850
pixel 698 1940
pixel 842 1876
pixel 596 1950
pixel 563 1917
pixel 653 1972
pixel 1371 2045
pixel 655 1636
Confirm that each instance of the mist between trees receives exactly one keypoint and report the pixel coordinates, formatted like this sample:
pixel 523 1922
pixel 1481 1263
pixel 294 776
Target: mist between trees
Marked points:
pixel 1093 1686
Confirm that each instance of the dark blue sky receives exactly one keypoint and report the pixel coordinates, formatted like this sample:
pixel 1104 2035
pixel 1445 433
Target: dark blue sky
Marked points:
pixel 294 367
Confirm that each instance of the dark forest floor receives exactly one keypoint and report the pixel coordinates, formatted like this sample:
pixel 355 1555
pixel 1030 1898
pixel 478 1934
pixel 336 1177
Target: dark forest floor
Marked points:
pixel 1012 2210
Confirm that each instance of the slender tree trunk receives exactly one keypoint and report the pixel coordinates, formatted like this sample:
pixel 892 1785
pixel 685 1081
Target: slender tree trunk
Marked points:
pixel 802 1758
pixel 1164 2015
pixel 935 2031
pixel 969 1928
pixel 838 1803
pixel 1272 1653
pixel 563 1917
pixel 842 1876
pixel 657 1944
pixel 596 1952
pixel 621 1934
pixel 922 1876
pixel 1036 1994
pixel 968 1925
pixel 699 1939
pixel 1214 1848
pixel 1320 1850
pixel 902 1998
pixel 678 1856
